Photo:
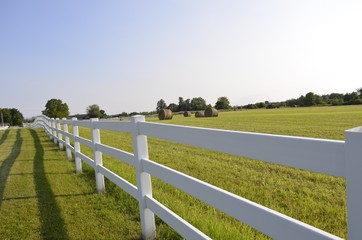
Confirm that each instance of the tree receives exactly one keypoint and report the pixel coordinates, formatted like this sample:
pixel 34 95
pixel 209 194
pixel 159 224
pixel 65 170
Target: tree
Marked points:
pixel 350 97
pixel 17 117
pixel 173 107
pixel 103 114
pixel 222 103
pixel 160 105
pixel 260 104
pixel 93 111
pixel 198 103
pixel 309 99
pixel 55 108
pixel 12 116
pixel 359 91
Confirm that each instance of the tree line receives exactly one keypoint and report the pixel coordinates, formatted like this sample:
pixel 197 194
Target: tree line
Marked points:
pixel 312 99
pixel 55 108
pixel 11 116
pixel 194 104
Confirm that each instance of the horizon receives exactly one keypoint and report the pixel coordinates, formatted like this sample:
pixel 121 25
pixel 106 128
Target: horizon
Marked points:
pixel 125 56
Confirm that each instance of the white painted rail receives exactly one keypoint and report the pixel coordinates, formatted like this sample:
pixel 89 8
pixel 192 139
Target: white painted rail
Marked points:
pixel 337 158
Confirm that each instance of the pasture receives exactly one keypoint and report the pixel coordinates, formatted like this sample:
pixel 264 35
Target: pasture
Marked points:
pixel 313 198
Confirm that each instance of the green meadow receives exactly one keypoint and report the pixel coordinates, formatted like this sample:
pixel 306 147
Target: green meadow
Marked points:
pixel 39 189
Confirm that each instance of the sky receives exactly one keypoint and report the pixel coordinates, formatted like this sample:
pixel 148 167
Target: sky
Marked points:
pixel 127 55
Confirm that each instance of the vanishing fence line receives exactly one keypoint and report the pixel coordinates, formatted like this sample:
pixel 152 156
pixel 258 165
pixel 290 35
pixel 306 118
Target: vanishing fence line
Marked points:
pixel 336 158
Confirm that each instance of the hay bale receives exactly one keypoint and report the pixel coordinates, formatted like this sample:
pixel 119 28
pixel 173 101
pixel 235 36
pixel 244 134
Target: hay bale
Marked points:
pixel 199 114
pixel 211 112
pixel 187 114
pixel 165 114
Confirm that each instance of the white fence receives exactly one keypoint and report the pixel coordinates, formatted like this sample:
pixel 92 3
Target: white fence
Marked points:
pixel 337 158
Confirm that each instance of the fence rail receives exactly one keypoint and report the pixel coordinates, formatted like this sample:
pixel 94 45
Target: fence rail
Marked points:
pixel 337 158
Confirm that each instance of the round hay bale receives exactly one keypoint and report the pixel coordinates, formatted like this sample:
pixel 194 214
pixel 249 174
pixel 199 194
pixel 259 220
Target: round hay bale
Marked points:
pixel 199 114
pixel 165 114
pixel 211 112
pixel 187 114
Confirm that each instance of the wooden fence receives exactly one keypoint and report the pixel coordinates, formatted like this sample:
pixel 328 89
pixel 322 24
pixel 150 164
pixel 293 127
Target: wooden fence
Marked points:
pixel 337 158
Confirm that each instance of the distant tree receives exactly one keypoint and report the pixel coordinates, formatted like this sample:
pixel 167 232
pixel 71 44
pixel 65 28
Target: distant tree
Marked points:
pixel 260 105
pixel 350 97
pixel 17 117
pixel 184 105
pixel 309 99
pixel 161 104
pixel 294 102
pixel 103 114
pixel 173 107
pixel 181 104
pixel 133 114
pixel 6 115
pixel 198 103
pixel 187 105
pixel 336 96
pixel 318 99
pixel 124 114
pixel 12 116
pixel 359 91
pixel 250 106
pixel 222 103
pixel 93 111
pixel 55 108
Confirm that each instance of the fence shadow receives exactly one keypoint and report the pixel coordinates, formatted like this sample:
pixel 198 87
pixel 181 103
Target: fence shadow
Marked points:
pixel 52 224
pixel 9 161
pixel 4 136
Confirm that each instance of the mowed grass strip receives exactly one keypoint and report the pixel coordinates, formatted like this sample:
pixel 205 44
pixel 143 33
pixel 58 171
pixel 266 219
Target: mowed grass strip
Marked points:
pixel 316 199
pixel 43 198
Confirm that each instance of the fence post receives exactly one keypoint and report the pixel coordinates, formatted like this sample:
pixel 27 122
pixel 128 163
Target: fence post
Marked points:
pixel 47 127
pixel 353 156
pixel 96 138
pixel 54 133
pixel 144 184
pixel 78 161
pixel 60 135
pixel 66 138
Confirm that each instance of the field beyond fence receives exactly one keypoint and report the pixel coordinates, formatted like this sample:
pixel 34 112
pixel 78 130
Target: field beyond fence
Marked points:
pixel 317 199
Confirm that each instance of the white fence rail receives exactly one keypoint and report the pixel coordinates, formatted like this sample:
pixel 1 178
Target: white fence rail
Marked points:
pixel 337 158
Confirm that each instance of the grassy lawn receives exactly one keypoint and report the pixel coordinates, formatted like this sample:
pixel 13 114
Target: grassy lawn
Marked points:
pixel 42 198
pixel 32 203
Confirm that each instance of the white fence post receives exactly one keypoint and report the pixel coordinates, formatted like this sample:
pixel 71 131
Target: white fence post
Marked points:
pixel 78 161
pixel 66 138
pixel 47 127
pixel 54 131
pixel 353 151
pixel 60 135
pixel 144 184
pixel 49 123
pixel 96 138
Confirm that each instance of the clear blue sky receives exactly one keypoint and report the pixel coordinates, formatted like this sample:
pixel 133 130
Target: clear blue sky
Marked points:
pixel 126 55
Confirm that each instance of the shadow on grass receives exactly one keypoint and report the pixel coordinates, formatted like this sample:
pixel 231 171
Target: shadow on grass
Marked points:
pixel 4 136
pixel 9 161
pixel 52 224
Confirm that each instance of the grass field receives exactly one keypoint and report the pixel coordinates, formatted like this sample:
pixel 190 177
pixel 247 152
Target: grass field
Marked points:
pixel 313 198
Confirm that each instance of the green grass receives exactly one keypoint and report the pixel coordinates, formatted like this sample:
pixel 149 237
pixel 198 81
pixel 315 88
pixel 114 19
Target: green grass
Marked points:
pixel 42 198
pixel 313 198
